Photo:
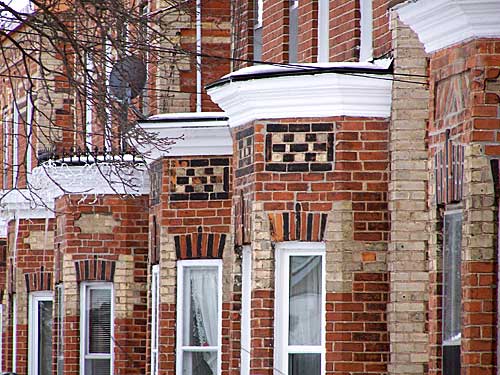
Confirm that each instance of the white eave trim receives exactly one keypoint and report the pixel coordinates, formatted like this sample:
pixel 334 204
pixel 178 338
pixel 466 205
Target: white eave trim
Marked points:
pixel 442 23
pixel 194 134
pixel 318 94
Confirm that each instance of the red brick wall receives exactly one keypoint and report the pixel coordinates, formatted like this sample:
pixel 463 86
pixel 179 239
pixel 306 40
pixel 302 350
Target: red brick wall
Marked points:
pixel 27 261
pixel 194 193
pixel 308 32
pixel 275 31
pixel 344 30
pixel 130 237
pixel 347 160
pixel 382 39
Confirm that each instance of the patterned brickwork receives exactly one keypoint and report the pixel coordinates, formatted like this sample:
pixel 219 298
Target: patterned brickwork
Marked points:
pixel 200 245
pixel 299 147
pixel 244 139
pixel 200 179
pixel 297 226
pixel 155 178
pixel 37 281
pixel 95 270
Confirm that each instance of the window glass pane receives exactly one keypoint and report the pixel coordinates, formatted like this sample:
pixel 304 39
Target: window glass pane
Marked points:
pixel 301 364
pixel 44 337
pixel 200 306
pixel 305 300
pixel 199 363
pixel 452 289
pixel 97 367
pixel 99 315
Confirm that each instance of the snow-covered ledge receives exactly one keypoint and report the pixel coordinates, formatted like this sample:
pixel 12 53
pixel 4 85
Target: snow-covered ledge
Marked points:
pixel 442 23
pixel 306 90
pixel 199 133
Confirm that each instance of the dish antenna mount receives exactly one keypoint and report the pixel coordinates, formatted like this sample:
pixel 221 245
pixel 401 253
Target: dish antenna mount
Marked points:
pixel 127 78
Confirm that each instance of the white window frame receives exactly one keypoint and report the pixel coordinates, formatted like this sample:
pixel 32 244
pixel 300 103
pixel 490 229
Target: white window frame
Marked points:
pixel 181 265
pixel 246 309
pixel 366 30
pixel 14 332
pixel 155 310
pixel 33 325
pixel 257 29
pixel 6 141
pixel 284 251
pixel 89 104
pixel 293 31
pixel 60 329
pixel 29 136
pixel 15 143
pixel 1 338
pixel 324 30
pixel 84 290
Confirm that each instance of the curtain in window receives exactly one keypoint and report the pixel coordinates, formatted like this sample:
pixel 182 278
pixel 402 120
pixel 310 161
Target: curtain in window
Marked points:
pixel 305 300
pixel 202 297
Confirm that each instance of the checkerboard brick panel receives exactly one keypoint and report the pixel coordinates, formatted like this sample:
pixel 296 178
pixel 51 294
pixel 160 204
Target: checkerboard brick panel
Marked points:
pixel 245 142
pixel 200 179
pixel 300 147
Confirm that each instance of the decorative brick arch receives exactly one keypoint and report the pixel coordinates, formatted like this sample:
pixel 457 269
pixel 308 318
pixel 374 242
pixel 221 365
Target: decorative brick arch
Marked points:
pixel 38 281
pixel 200 245
pixel 298 226
pixel 95 270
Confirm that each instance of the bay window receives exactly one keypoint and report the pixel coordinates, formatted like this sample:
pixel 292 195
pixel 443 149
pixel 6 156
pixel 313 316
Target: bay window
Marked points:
pixel 40 333
pixel 199 315
pixel 300 308
pixel 96 326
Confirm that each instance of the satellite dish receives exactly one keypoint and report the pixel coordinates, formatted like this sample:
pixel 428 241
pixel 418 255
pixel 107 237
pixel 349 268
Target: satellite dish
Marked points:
pixel 127 78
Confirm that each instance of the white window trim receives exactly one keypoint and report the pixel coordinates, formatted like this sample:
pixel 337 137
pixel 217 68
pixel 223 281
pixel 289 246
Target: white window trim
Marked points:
pixel 29 136
pixel 246 309
pixel 324 30
pixel 180 302
pixel 259 16
pixel 1 338
pixel 15 144
pixel 155 309
pixel 6 141
pixel 281 348
pixel 366 30
pixel 33 332
pixel 60 328
pixel 14 332
pixel 84 288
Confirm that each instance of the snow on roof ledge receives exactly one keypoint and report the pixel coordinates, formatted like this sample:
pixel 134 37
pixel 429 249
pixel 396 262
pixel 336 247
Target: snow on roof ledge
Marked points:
pixel 442 23
pixel 360 89
pixel 196 134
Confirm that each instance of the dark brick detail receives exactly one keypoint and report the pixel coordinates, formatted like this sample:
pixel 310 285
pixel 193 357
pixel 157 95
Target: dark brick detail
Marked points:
pixel 449 169
pixel 200 245
pixel 39 280
pixel 200 179
pixel 299 147
pixel 95 270
pixel 155 176
pixel 297 226
pixel 245 144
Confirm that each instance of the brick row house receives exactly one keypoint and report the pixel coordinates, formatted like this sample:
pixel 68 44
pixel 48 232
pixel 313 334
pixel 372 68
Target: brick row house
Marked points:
pixel 336 214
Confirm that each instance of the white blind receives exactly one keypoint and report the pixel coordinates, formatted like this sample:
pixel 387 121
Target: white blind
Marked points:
pixel 99 326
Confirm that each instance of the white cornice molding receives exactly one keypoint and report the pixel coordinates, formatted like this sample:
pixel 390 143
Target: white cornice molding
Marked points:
pixel 442 23
pixel 320 94
pixel 194 135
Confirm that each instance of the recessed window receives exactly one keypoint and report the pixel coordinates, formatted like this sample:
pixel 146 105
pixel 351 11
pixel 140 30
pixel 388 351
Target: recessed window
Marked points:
pixel 40 333
pixel 366 26
pixel 96 326
pixel 199 302
pixel 155 310
pixel 257 29
pixel 323 30
pixel 300 308
pixel 293 34
pixel 452 291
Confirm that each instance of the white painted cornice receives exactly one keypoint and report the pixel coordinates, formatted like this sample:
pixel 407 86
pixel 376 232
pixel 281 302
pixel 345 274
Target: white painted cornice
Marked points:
pixel 443 23
pixel 193 134
pixel 303 93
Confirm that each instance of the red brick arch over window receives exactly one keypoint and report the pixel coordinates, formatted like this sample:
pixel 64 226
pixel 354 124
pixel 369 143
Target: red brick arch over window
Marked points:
pixel 200 245
pixel 95 270
pixel 298 226
pixel 38 281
